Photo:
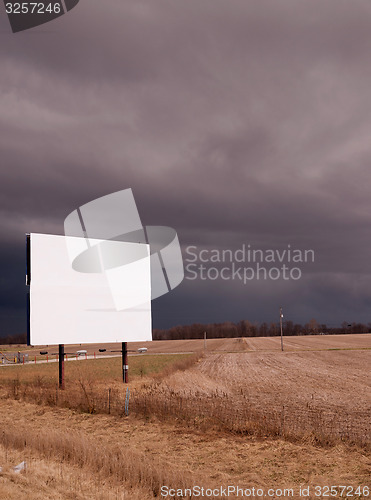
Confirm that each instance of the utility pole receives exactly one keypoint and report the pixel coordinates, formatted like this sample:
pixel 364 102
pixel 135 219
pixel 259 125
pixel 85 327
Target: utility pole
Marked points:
pixel 281 316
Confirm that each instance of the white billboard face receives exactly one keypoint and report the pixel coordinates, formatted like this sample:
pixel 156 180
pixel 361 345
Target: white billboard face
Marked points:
pixel 105 304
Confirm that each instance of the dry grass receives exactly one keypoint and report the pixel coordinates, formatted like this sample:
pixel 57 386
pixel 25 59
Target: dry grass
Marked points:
pixel 323 396
pixel 264 419
pixel 173 454
pixel 111 464
pixel 296 395
pixel 103 369
pixel 51 479
pixel 86 382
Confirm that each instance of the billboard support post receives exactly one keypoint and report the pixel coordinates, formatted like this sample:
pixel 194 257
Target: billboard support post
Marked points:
pixel 28 283
pixel 125 366
pixel 61 366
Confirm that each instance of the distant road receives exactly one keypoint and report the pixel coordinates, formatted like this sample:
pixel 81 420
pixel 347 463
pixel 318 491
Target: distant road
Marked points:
pixel 220 345
pixel 91 356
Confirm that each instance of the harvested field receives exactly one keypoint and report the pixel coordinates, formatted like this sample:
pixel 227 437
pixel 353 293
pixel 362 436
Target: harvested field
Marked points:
pixel 235 415
pixel 325 393
pixel 243 344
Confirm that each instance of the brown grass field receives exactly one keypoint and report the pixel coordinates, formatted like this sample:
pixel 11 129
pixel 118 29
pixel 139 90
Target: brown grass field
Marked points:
pixel 241 413
pixel 308 342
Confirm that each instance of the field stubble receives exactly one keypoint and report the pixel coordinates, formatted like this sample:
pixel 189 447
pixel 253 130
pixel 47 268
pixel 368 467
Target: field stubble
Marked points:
pixel 320 396
pixel 231 405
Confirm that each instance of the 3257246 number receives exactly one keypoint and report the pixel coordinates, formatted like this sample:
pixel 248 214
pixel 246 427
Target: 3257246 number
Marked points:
pixel 32 8
pixel 341 491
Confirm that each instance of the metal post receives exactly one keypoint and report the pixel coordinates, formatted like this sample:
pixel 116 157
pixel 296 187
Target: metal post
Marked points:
pixel 125 366
pixel 204 341
pixel 281 316
pixel 28 283
pixel 61 366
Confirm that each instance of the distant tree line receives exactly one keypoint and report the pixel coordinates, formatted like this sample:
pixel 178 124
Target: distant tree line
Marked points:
pixel 18 338
pixel 245 328
pixel 229 329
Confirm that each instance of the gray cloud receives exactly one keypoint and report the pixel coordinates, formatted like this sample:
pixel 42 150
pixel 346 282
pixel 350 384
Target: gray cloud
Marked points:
pixel 234 122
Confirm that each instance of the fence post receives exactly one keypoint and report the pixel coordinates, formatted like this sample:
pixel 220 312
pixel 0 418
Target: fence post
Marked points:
pixel 127 401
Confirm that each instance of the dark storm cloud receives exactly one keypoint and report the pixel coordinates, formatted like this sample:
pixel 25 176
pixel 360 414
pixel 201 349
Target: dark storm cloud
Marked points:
pixel 233 121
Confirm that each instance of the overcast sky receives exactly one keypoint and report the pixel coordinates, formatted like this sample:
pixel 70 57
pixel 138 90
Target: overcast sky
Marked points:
pixel 233 121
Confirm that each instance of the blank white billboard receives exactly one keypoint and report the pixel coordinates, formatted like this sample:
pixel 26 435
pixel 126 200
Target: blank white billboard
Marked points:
pixel 107 303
